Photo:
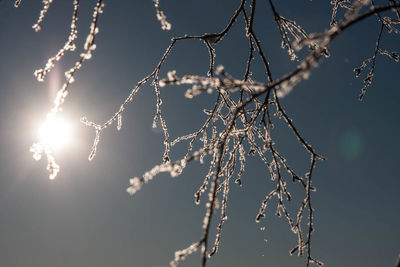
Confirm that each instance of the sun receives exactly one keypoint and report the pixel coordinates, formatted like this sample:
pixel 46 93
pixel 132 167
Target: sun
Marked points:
pixel 55 132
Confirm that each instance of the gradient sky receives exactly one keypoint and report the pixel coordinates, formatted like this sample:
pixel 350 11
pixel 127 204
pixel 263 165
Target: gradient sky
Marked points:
pixel 85 218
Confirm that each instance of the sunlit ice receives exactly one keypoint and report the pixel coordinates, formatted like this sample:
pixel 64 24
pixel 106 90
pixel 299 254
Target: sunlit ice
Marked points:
pixel 55 132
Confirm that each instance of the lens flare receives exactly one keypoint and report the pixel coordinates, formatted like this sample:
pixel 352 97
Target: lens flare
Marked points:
pixel 55 132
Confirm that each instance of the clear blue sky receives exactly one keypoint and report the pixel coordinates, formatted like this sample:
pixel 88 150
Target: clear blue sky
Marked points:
pixel 85 217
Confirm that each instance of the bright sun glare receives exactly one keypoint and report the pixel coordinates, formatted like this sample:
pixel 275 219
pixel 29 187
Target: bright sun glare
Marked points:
pixel 55 132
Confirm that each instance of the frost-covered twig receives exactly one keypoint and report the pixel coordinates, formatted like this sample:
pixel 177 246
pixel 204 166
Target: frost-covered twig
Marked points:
pixel 17 3
pixel 368 80
pixel 68 46
pixel 386 22
pixel 39 148
pixel 165 25
pixel 46 6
